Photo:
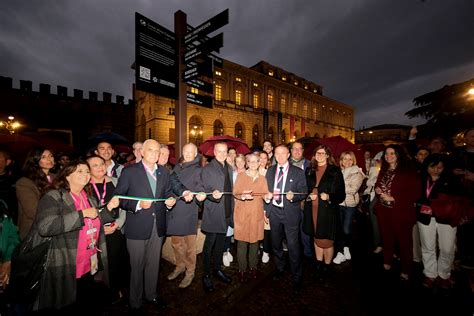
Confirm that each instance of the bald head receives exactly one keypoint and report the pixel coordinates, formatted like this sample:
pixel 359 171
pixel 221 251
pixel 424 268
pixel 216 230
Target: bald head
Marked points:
pixel 150 152
pixel 189 152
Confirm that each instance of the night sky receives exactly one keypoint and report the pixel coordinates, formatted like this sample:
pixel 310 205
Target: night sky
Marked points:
pixel 374 55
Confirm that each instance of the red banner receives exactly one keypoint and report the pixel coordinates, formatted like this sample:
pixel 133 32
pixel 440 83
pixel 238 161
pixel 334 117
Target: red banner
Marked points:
pixel 303 126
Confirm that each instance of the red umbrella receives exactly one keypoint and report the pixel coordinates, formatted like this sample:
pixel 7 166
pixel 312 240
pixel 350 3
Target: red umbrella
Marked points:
pixel 18 145
pixel 52 143
pixel 207 148
pixel 172 158
pixel 338 145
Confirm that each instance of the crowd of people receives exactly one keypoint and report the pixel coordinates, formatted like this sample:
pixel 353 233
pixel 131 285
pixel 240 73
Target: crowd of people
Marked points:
pixel 106 222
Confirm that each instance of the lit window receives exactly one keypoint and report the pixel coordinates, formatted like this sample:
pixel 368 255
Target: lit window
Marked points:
pixel 305 109
pixel 218 73
pixel 283 78
pixel 270 100
pixel 238 79
pixel 295 83
pixel 283 103
pixel 314 112
pixel 238 97
pixel 194 90
pixel 295 107
pixel 255 85
pixel 218 92
pixel 255 101
pixel 270 73
pixel 306 86
pixel 315 90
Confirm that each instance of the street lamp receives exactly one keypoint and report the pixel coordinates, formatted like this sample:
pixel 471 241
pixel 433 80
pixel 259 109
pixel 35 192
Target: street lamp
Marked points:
pixel 11 125
pixel 196 132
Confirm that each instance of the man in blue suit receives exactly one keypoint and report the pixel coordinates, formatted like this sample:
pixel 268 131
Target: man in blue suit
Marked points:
pixel 146 221
pixel 284 212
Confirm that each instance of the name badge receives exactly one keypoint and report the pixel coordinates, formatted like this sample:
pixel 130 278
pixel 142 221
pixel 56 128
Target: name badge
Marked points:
pixel 94 264
pixel 91 231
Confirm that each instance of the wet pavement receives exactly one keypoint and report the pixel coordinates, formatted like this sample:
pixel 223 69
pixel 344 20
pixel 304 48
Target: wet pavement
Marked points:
pixel 356 287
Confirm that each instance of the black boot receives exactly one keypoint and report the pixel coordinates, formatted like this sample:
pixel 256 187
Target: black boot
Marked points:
pixel 324 273
pixel 318 265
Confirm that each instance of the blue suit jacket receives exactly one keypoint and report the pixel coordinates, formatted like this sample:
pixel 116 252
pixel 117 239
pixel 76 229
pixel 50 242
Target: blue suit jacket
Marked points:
pixel 295 182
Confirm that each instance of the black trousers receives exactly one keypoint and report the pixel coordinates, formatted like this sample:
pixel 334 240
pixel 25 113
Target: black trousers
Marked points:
pixel 213 246
pixel 280 229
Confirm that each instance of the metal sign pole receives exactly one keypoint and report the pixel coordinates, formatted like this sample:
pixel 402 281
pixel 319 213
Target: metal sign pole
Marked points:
pixel 181 103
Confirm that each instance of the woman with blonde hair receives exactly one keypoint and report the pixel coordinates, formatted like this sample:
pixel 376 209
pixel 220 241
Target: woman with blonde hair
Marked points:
pixel 250 190
pixel 353 177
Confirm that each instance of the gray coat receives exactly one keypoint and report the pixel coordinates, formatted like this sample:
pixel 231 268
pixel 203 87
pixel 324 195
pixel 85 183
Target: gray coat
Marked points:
pixel 182 219
pixel 58 218
pixel 213 218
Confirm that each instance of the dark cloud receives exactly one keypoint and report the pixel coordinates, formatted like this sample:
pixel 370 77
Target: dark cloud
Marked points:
pixel 376 55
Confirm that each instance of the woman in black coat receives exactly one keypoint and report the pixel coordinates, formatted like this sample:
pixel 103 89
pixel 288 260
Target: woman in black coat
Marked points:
pixel 326 191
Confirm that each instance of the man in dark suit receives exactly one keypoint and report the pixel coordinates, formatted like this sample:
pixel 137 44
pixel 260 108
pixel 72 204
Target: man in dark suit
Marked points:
pixel 284 212
pixel 218 208
pixel 146 221
pixel 297 159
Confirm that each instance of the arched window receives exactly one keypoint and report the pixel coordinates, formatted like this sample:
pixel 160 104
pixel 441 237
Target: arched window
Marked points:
pixel 283 137
pixel 255 136
pixel 195 130
pixel 239 130
pixel 270 134
pixel 218 128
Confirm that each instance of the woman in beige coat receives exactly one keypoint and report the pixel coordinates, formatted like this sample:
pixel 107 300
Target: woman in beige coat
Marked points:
pixel 250 190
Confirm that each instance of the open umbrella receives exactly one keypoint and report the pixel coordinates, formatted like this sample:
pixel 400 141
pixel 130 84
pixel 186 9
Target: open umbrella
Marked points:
pixel 338 145
pixel 18 145
pixel 172 158
pixel 207 148
pixel 110 137
pixel 54 144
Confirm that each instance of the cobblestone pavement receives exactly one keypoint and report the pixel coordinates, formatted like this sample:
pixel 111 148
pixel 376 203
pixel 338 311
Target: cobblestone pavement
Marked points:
pixel 356 287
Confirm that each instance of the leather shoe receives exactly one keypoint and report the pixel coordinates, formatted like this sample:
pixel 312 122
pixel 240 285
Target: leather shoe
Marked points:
pixel 277 275
pixel 222 276
pixel 157 302
pixel 207 283
pixel 298 286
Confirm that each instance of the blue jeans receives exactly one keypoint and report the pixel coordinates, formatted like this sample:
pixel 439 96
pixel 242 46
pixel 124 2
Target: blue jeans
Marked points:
pixel 346 215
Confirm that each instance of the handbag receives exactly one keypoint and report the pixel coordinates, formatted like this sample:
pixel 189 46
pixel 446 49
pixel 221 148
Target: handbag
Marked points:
pixel 28 265
pixel 365 202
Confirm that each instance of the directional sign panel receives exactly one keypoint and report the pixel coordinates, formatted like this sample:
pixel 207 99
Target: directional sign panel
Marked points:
pixel 201 100
pixel 217 61
pixel 207 27
pixel 204 48
pixel 155 58
pixel 197 69
pixel 201 85
pixel 201 39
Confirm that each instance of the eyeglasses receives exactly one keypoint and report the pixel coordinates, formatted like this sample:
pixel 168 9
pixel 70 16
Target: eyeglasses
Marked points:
pixel 320 153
